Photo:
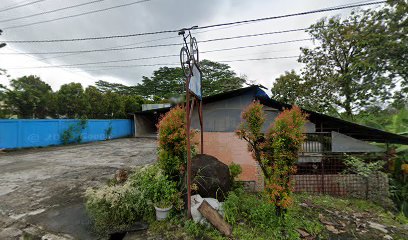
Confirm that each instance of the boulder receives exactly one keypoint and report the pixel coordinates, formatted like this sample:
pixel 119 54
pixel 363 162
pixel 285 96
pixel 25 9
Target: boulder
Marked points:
pixel 211 176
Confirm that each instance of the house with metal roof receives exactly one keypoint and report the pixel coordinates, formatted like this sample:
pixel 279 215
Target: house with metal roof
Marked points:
pixel 328 140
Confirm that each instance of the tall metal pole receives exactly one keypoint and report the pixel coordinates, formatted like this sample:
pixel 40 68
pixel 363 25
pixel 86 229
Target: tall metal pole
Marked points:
pixel 188 148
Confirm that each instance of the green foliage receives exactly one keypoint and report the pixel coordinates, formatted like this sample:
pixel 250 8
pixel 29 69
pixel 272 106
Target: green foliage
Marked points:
pixel 399 183
pixel 74 132
pixel 283 143
pixel 71 101
pixel 218 78
pixel 156 186
pixel 28 97
pixel 113 208
pixel 172 147
pixel 360 54
pixel 235 170
pixel 252 216
pixel 362 168
pixel 277 151
pixel 108 131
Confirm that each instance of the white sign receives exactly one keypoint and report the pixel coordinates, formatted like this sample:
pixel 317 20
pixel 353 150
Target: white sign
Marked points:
pixel 195 82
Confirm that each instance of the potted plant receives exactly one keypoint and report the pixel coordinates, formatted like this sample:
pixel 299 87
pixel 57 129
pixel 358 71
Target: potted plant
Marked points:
pixel 164 194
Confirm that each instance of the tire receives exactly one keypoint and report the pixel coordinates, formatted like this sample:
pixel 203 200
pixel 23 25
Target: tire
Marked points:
pixel 185 62
pixel 194 50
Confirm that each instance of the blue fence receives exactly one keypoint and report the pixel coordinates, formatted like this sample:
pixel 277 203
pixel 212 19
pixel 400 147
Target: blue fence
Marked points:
pixel 23 133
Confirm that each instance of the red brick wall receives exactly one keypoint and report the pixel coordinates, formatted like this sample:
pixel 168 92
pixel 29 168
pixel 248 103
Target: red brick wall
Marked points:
pixel 228 148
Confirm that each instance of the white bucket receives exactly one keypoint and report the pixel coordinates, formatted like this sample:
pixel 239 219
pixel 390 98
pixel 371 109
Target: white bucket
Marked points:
pixel 162 213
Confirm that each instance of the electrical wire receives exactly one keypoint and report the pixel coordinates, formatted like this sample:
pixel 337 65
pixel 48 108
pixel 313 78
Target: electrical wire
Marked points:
pixel 293 14
pixel 21 5
pixel 103 68
pixel 51 11
pixel 164 56
pixel 204 27
pixel 161 45
pixel 76 15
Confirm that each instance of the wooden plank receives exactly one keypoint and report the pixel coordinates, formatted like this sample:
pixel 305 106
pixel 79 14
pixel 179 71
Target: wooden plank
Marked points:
pixel 215 218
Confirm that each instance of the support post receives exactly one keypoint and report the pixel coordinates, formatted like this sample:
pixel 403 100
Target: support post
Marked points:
pixel 188 149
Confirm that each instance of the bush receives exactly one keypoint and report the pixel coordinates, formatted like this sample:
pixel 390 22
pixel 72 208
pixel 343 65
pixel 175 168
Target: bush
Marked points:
pixel 113 208
pixel 253 217
pixel 235 170
pixel 277 151
pixel 156 187
pixel 173 144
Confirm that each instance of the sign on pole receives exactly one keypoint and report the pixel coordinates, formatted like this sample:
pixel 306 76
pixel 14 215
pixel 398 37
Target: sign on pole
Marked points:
pixel 195 82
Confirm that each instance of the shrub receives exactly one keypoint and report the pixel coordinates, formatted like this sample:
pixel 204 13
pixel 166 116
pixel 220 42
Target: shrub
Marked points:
pixel 283 141
pixel 156 186
pixel 173 144
pixel 235 170
pixel 113 208
pixel 277 151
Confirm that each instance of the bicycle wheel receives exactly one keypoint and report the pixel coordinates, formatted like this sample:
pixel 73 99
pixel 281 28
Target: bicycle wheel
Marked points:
pixel 194 50
pixel 185 61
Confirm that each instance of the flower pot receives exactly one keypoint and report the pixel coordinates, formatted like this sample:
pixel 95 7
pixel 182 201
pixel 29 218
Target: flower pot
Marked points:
pixel 162 213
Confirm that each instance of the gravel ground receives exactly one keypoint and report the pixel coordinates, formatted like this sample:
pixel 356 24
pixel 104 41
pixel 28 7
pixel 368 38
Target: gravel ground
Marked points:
pixel 41 190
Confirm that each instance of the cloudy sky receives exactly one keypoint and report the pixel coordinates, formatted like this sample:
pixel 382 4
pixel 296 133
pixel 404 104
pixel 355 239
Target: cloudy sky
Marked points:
pixel 153 15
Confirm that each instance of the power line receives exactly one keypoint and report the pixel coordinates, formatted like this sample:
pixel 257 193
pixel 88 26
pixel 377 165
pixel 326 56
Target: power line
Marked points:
pixel 258 45
pixel 51 11
pixel 161 45
pixel 20 5
pixel 204 27
pixel 76 15
pixel 132 44
pixel 293 14
pixel 102 68
pixel 257 59
pixel 164 56
pixel 66 69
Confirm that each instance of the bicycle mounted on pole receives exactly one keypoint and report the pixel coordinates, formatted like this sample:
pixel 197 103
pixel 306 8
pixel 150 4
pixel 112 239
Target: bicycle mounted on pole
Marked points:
pixel 189 52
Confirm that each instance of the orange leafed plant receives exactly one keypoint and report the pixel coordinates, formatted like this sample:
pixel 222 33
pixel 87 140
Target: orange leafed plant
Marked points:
pixel 276 151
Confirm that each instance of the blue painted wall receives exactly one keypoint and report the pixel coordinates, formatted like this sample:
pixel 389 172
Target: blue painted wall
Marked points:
pixel 23 133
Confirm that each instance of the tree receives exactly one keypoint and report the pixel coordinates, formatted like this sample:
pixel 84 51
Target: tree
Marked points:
pixel 94 99
pixel 132 103
pixel 170 82
pixel 114 105
pixel 164 83
pixel 358 62
pixel 218 78
pixel 104 86
pixel 71 100
pixel 28 97
pixel 292 89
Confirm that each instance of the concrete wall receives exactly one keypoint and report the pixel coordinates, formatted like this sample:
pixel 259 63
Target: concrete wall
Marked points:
pixel 144 126
pixel 24 133
pixel 228 148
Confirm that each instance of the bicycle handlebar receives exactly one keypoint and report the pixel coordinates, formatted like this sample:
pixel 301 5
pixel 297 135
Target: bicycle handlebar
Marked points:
pixel 183 30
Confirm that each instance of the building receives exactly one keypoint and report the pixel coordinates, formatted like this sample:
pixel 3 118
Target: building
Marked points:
pixel 320 162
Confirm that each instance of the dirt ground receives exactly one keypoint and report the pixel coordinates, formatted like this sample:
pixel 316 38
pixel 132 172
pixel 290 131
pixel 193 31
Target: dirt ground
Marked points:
pixel 41 190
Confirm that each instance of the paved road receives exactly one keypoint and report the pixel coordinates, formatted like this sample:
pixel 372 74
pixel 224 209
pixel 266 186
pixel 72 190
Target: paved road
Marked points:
pixel 41 190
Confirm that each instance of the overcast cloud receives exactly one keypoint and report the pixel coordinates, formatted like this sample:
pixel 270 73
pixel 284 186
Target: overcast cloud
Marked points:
pixel 155 15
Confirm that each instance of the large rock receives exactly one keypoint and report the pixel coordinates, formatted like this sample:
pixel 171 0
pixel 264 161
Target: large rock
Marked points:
pixel 211 176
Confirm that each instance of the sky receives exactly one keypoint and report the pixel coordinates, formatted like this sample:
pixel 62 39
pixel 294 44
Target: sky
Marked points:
pixel 148 16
